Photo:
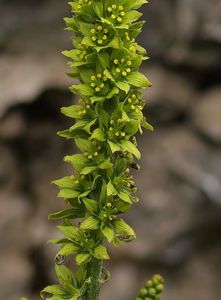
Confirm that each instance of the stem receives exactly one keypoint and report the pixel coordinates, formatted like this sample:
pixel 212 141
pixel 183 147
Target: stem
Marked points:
pixel 93 271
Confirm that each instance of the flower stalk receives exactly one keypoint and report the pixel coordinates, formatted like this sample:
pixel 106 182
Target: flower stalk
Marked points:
pixel 105 59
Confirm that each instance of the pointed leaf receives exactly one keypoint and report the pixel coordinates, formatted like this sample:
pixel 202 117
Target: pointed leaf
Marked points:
pixel 53 290
pixel 130 147
pixel 68 249
pixel 139 80
pixel 123 86
pixel 64 274
pixel 114 147
pixel 82 258
pixel 90 223
pixel 68 194
pixel 123 228
pixel 91 205
pixel 98 135
pixel 108 233
pixel 78 161
pixel 71 232
pixel 71 111
pixel 70 213
pixel 111 189
pixel 100 252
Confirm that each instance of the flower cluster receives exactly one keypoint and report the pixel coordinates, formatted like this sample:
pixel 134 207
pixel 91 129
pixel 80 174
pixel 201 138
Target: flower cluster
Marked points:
pixel 116 13
pixel 106 60
pixel 99 34
pixel 152 290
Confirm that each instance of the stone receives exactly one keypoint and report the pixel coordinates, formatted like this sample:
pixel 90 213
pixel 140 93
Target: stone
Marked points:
pixel 16 276
pixel 14 217
pixel 207 114
pixel 170 96
pixel 169 205
pixel 12 126
pixel 30 61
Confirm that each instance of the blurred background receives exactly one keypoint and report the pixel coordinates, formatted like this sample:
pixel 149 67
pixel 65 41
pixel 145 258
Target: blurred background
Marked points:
pixel 178 220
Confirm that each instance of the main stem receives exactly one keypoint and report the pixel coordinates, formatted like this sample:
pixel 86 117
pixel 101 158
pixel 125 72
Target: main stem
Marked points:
pixel 93 272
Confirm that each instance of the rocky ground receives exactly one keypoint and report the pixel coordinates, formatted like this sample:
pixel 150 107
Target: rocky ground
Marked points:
pixel 178 220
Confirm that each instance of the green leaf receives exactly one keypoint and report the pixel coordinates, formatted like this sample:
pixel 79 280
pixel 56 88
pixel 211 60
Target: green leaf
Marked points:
pixel 83 144
pixel 90 223
pixel 82 258
pixel 91 205
pixel 104 59
pixel 82 89
pixel 114 43
pixel 123 228
pixel 85 28
pixel 100 252
pixel 66 134
pixel 123 86
pixel 70 213
pixel 68 194
pixel 68 249
pixel 71 111
pixel 65 182
pixel 108 75
pixel 98 8
pixel 136 4
pixel 111 189
pixel 108 233
pixel 23 298
pixel 98 135
pixel 131 148
pixel 139 80
pixel 71 232
pixel 64 274
pixel 147 125
pixel 53 290
pixel 78 161
pixel 105 165
pixel 131 127
pixel 122 206
pixel 132 16
pixel 114 147
pixel 88 170
pixel 124 196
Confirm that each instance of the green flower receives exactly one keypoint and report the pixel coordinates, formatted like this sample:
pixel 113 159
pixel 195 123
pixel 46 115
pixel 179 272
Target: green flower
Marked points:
pixel 121 14
pixel 77 5
pixel 103 216
pixel 81 243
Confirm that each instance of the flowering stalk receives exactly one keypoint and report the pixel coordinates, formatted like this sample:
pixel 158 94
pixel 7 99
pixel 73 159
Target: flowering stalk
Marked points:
pixel 105 60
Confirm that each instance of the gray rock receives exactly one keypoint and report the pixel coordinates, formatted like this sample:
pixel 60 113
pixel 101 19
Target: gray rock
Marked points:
pixel 30 60
pixel 12 126
pixel 172 185
pixel 16 274
pixel 207 114
pixel 14 216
